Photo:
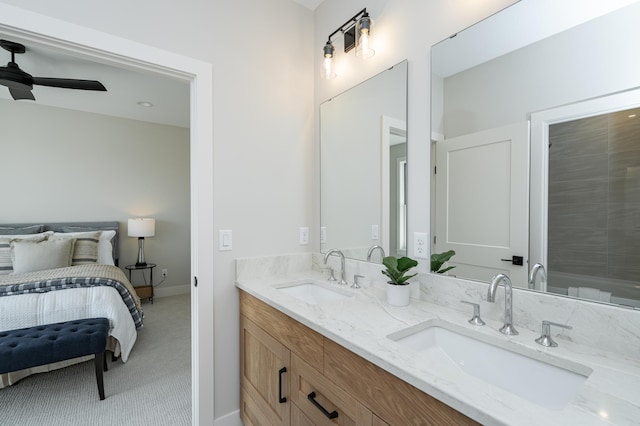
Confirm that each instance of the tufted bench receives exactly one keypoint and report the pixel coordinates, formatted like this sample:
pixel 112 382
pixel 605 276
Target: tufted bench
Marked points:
pixel 45 344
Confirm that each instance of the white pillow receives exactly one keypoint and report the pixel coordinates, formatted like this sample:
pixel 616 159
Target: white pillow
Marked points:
pixel 31 256
pixel 6 265
pixel 105 248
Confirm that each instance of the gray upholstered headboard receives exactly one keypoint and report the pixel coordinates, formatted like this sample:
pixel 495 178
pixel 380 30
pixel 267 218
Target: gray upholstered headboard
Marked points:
pixel 81 226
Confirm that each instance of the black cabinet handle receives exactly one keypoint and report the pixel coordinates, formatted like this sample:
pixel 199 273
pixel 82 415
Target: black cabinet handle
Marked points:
pixel 281 399
pixel 330 415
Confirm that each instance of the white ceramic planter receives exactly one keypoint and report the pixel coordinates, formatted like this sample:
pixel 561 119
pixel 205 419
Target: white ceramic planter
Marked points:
pixel 398 295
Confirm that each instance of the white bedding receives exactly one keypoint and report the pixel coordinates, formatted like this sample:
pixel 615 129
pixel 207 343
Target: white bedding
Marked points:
pixel 32 309
pixel 28 310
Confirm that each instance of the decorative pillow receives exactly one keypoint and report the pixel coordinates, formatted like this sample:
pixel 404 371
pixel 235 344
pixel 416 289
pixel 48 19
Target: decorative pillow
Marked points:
pixel 105 248
pixel 6 266
pixel 33 229
pixel 86 247
pixel 31 256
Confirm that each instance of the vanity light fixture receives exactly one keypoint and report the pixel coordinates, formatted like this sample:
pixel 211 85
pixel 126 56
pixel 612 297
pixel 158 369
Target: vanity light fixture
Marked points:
pixel 357 33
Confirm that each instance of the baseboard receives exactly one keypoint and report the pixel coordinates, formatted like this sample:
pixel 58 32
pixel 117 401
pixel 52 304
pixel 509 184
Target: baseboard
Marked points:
pixel 231 419
pixel 171 291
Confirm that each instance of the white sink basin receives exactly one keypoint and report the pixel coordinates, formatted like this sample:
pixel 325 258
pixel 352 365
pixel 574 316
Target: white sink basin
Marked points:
pixel 537 381
pixel 314 293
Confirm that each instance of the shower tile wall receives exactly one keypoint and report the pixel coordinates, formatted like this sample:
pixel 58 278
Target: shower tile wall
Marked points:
pixel 594 196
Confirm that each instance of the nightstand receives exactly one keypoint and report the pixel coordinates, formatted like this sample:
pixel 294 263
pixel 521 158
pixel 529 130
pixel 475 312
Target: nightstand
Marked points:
pixel 144 291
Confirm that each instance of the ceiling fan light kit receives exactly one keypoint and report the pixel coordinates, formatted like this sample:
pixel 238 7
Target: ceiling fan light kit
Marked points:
pixel 21 83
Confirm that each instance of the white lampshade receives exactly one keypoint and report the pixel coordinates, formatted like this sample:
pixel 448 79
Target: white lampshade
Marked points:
pixel 142 227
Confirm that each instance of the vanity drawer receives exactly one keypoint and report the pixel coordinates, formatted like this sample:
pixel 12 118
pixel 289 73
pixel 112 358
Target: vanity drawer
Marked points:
pixel 329 398
pixel 389 397
pixel 298 338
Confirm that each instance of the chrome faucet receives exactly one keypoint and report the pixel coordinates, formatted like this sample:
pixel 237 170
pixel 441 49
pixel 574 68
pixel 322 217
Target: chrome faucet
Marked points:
pixel 508 327
pixel 372 249
pixel 538 269
pixel 342 269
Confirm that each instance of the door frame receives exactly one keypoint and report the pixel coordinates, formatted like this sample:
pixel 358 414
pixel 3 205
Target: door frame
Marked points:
pixel 117 51
pixel 539 181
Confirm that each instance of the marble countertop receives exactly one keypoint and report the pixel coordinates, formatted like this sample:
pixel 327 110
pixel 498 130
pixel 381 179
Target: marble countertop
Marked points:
pixel 363 322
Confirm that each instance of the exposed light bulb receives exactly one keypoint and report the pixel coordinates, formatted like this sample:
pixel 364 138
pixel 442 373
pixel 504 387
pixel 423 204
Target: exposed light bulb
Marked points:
pixel 363 42
pixel 328 69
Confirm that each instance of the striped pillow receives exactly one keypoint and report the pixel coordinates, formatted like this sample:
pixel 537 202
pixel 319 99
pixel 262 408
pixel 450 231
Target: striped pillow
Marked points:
pixel 6 266
pixel 86 247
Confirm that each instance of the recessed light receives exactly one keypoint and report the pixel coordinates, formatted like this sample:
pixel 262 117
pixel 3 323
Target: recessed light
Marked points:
pixel 145 104
pixel 631 116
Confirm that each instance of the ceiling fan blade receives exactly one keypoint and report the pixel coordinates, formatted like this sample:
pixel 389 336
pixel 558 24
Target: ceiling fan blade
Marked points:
pixel 21 93
pixel 70 83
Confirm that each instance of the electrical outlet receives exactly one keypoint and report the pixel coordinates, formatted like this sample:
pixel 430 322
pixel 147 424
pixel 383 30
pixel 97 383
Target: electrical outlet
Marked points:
pixel 421 245
pixel 164 273
pixel 304 235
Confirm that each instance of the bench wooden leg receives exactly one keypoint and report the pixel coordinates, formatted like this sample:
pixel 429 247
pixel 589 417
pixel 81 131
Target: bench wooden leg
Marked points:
pixel 99 364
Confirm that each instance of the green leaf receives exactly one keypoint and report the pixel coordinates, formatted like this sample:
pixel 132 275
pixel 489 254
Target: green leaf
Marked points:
pixel 439 259
pixel 397 268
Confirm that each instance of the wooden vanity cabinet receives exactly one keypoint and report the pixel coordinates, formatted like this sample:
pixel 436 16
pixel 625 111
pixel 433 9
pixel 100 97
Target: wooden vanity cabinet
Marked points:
pixel 322 401
pixel 265 363
pixel 284 362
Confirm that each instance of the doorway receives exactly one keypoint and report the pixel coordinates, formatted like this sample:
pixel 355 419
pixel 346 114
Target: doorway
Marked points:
pixel 585 204
pixel 125 53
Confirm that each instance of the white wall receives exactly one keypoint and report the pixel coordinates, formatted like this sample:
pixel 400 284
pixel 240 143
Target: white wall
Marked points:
pixel 262 55
pixel 63 165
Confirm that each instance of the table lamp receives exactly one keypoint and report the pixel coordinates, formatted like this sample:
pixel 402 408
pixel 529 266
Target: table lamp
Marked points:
pixel 141 227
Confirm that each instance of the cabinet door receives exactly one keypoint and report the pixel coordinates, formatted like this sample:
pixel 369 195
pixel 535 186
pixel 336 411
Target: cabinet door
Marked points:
pixel 264 369
pixel 323 402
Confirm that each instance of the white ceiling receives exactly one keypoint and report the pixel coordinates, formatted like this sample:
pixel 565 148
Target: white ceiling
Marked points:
pixel 125 88
pixel 311 4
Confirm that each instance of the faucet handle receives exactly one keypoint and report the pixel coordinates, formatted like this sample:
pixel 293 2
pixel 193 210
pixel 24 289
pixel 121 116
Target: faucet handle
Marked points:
pixel 355 281
pixel 331 276
pixel 545 338
pixel 476 320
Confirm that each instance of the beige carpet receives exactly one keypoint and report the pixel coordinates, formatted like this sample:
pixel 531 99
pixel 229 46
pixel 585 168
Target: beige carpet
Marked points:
pixel 152 388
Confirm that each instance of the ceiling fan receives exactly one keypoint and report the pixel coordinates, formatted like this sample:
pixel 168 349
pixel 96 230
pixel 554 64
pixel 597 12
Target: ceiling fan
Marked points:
pixel 20 83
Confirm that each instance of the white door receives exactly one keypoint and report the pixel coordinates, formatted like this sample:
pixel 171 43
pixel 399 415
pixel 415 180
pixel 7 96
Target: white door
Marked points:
pixel 482 206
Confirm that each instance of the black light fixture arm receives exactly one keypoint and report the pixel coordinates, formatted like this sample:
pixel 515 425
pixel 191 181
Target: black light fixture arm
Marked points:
pixel 348 24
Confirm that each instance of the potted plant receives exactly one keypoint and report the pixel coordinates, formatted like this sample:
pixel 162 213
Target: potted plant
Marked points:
pixel 439 259
pixel 398 290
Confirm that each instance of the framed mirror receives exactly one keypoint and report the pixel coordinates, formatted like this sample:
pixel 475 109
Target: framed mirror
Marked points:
pixel 363 160
pixel 536 150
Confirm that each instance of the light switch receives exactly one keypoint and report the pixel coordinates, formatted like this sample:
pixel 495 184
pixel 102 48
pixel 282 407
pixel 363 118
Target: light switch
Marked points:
pixel 304 235
pixel 375 233
pixel 323 234
pixel 226 240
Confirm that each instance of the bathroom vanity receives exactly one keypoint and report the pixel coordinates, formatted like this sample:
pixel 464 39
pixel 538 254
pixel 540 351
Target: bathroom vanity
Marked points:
pixel 324 349
pixel 318 380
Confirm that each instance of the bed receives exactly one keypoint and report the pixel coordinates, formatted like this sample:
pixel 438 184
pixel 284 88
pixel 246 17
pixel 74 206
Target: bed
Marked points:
pixel 54 272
